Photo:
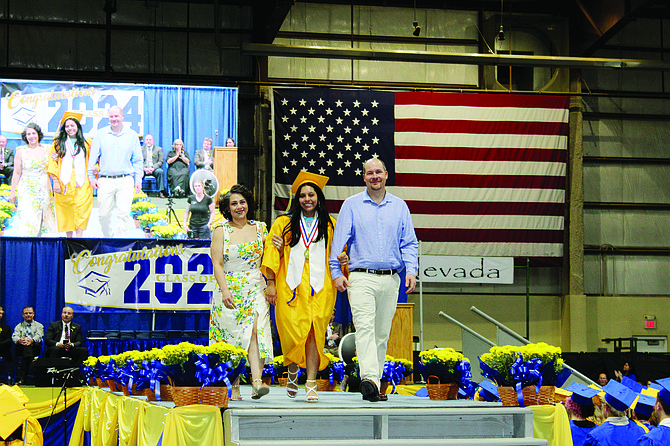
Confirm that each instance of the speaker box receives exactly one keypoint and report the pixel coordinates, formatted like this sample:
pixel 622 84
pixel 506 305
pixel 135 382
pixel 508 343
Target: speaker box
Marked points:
pixel 51 372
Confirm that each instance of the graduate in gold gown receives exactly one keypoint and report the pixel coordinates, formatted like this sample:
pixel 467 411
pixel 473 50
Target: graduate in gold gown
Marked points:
pixel 68 160
pixel 295 263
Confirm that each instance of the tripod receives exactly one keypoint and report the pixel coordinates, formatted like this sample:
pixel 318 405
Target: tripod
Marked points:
pixel 171 212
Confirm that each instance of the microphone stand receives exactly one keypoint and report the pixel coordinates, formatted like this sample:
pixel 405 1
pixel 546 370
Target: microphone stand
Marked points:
pixel 63 391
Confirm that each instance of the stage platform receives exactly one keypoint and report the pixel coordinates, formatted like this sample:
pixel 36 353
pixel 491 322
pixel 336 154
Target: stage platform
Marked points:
pixel 94 230
pixel 337 419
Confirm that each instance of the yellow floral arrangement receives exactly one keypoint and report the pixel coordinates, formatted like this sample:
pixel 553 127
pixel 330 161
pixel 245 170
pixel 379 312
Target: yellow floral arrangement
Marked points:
pixel 150 220
pixel 227 352
pixel 501 362
pixel 142 207
pixel 7 207
pixel 278 361
pixel 332 359
pixel 168 231
pixel 4 217
pixel 447 357
pixel 140 196
pixel 179 354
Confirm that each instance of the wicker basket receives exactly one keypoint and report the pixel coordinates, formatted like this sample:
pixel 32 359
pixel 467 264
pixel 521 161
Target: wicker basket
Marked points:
pixel 126 391
pixel 283 380
pixel 441 391
pixel 544 397
pixel 166 393
pixel 323 385
pixel 214 396
pixel 112 385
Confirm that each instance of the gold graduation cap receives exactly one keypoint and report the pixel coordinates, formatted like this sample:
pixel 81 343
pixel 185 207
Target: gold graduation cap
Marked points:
pixel 306 177
pixel 12 411
pixel 71 114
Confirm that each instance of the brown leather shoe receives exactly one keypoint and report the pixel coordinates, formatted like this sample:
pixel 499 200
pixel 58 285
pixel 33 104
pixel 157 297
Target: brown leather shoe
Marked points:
pixel 369 391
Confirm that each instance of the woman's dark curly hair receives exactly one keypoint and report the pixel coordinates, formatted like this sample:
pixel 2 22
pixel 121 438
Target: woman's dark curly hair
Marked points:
pixel 295 212
pixel 63 136
pixel 32 125
pixel 224 203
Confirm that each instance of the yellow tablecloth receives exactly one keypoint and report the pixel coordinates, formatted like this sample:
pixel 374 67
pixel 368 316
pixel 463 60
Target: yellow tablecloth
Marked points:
pixel 133 422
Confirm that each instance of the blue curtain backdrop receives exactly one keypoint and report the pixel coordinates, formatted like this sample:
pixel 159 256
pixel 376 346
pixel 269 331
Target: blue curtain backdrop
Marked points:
pixel 190 114
pixel 31 271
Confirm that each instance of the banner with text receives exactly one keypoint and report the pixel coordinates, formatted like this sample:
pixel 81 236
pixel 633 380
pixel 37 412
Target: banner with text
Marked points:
pixel 44 104
pixel 122 275
pixel 457 269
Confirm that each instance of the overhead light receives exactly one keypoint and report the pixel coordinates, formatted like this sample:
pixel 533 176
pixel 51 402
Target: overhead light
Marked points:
pixel 417 29
pixel 501 34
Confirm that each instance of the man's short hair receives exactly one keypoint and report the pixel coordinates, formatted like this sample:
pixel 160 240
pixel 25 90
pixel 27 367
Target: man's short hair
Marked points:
pixel 665 406
pixel 378 159
pixel 27 306
pixel 208 139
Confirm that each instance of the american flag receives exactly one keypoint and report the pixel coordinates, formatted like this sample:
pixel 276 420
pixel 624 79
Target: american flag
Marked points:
pixel 482 174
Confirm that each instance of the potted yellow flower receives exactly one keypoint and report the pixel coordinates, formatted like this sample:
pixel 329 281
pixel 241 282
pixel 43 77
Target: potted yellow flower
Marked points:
pixel 448 370
pixel 169 231
pixel 527 374
pixel 327 379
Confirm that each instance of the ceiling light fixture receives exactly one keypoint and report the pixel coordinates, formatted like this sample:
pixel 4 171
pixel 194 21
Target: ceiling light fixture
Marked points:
pixel 415 24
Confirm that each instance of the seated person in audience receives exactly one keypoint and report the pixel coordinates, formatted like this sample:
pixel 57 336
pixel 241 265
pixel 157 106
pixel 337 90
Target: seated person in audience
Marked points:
pixel 27 339
pixel 64 338
pixel 602 379
pixel 334 333
pixel 230 142
pixel 204 158
pixel 626 370
pixel 6 161
pixel 5 338
pixel 153 162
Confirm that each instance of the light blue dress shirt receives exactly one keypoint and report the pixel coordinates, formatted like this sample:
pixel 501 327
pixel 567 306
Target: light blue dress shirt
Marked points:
pixel 379 236
pixel 119 154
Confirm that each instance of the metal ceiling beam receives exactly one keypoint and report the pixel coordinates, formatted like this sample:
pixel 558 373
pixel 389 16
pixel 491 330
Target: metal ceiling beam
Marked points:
pixel 258 49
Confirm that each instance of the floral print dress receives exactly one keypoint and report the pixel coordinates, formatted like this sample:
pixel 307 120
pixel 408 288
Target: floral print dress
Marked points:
pixel 35 204
pixel 242 264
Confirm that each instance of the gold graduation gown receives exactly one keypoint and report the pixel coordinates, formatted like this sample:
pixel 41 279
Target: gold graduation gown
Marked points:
pixel 297 314
pixel 73 208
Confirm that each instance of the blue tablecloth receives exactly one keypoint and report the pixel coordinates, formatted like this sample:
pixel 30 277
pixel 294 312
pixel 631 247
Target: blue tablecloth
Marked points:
pixel 100 347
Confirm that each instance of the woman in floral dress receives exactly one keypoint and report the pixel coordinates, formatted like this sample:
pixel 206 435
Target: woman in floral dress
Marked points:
pixel 31 186
pixel 240 315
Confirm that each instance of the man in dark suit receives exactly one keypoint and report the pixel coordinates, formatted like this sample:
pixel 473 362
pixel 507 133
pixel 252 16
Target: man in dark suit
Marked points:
pixel 64 338
pixel 6 161
pixel 153 162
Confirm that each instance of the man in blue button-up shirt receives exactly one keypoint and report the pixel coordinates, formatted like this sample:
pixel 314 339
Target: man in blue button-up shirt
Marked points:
pixel 117 150
pixel 378 229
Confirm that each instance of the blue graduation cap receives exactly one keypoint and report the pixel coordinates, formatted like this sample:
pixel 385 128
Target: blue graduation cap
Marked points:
pixel 645 405
pixel 582 394
pixel 664 392
pixel 631 384
pixel 488 391
pixel 653 385
pixel 619 396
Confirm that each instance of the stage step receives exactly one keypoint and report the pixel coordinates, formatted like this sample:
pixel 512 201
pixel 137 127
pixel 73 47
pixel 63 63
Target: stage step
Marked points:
pixel 404 442
pixel 423 426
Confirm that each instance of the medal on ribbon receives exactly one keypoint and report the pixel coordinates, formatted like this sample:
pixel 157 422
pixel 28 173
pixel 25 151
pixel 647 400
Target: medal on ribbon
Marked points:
pixel 308 234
